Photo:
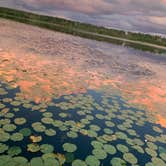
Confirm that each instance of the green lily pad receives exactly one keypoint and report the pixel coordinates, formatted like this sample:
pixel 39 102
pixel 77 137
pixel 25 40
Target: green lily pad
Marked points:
pixel 72 134
pixel 37 161
pixel 109 149
pixel 122 148
pixel 151 152
pixel 117 162
pixel 20 161
pixel 47 114
pixel 20 121
pixel 33 147
pixel 78 163
pixel 25 132
pixel 9 127
pixel 68 147
pixel 51 162
pixel 158 161
pixel 46 148
pixel 16 137
pixel 99 153
pixel 129 157
pixel 50 132
pixel 3 148
pixel 47 120
pixel 92 161
pixel 14 150
pixel 4 136
pixel 97 144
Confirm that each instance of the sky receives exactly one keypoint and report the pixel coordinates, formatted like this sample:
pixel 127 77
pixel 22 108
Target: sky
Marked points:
pixel 147 16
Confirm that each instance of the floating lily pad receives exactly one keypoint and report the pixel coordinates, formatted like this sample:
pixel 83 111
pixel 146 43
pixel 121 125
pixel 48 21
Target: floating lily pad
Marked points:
pixel 95 128
pixel 78 163
pixel 4 136
pixel 129 157
pixel 117 162
pixel 50 132
pixel 20 161
pixel 92 161
pixel 51 162
pixel 33 147
pixel 63 115
pixel 47 114
pixel 151 152
pixel 46 148
pixel 38 127
pixel 109 149
pixel 16 137
pixel 97 144
pixel 19 121
pixel 9 127
pixel 47 120
pixel 35 139
pixel 72 134
pixel 37 161
pixel 158 162
pixel 3 148
pixel 14 150
pixel 99 153
pixel 68 147
pixel 122 148
pixel 25 132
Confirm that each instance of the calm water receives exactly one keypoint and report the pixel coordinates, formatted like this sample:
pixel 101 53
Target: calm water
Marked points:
pixel 69 101
pixel 91 122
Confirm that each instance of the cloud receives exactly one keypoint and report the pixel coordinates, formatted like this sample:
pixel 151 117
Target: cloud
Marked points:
pixel 135 15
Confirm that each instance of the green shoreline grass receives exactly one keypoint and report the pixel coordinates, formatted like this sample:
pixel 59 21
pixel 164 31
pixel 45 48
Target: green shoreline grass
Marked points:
pixel 85 30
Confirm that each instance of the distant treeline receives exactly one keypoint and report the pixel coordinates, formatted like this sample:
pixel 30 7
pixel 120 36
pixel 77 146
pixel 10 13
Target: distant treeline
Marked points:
pixel 78 29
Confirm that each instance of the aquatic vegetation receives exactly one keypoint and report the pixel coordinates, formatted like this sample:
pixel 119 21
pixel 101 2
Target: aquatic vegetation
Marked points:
pixel 19 121
pixel 99 153
pixel 3 148
pixel 117 162
pixel 16 137
pixel 46 148
pixel 68 147
pixel 35 139
pixel 9 127
pixel 33 147
pixel 14 151
pixel 25 132
pixel 129 157
pixel 50 132
pixel 92 161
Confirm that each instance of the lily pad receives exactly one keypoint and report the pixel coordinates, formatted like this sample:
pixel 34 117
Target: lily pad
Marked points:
pixel 36 161
pixel 25 132
pixel 122 148
pixel 109 149
pixel 14 150
pixel 3 148
pixel 50 132
pixel 33 147
pixel 19 121
pixel 78 163
pixel 92 161
pixel 16 137
pixel 9 127
pixel 68 147
pixel 117 162
pixel 129 157
pixel 99 154
pixel 46 148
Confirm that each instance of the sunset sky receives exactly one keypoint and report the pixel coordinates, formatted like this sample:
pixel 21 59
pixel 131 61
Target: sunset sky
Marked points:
pixel 143 15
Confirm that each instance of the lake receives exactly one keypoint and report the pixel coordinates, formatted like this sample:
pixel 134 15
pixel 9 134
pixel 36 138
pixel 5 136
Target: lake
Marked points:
pixel 65 100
